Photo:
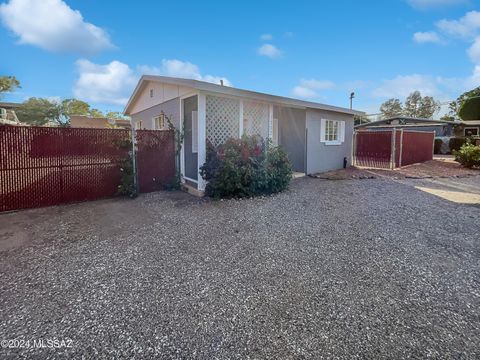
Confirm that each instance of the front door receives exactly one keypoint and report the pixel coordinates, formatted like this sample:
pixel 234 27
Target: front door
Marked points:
pixel 190 144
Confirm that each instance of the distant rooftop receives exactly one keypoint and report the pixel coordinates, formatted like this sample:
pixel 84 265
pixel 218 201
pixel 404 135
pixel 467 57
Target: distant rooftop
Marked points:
pixel 9 105
pixel 404 120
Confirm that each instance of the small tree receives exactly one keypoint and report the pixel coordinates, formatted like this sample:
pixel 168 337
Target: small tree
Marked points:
pixel 470 109
pixel 8 84
pixel 115 115
pixel 74 107
pixel 391 108
pixel 420 107
pixel 39 111
pixel 456 105
pixel 96 113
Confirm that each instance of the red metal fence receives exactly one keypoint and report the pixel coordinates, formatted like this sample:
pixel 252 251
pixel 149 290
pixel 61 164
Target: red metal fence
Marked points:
pixel 373 148
pixel 416 147
pixel 389 149
pixel 41 166
pixel 155 159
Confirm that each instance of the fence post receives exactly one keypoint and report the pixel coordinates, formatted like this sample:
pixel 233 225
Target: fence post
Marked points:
pixel 433 143
pixel 392 150
pixel 354 148
pixel 134 159
pixel 401 149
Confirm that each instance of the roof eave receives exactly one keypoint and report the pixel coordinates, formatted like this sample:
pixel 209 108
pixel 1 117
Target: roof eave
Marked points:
pixel 226 90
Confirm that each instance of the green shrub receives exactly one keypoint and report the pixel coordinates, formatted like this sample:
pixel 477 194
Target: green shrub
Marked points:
pixel 245 167
pixel 437 146
pixel 456 143
pixel 468 155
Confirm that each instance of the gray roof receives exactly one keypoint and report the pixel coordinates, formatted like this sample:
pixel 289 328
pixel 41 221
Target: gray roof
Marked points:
pixel 227 90
pixel 406 119
pixel 9 105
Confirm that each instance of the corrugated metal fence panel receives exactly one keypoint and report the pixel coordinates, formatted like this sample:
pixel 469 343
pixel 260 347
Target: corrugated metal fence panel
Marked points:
pixel 49 166
pixel 155 159
pixel 373 148
pixel 417 147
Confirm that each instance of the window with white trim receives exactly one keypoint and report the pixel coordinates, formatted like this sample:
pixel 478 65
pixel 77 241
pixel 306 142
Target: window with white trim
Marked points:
pixel 471 131
pixel 138 125
pixel 332 132
pixel 159 122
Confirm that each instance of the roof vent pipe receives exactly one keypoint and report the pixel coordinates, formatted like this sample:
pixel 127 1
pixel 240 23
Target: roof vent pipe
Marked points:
pixel 221 82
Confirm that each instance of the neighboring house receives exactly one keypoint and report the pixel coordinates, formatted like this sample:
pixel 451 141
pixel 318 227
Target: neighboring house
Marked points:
pixel 7 113
pixel 441 127
pixel 82 121
pixel 467 128
pixel 316 137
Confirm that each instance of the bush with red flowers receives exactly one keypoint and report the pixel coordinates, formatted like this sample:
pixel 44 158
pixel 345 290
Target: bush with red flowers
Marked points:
pixel 245 167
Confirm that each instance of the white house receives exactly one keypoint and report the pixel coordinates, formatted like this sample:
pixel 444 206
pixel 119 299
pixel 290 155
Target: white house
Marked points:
pixel 316 137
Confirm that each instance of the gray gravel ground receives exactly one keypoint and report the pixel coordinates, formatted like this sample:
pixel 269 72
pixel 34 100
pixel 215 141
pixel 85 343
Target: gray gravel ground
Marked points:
pixel 329 269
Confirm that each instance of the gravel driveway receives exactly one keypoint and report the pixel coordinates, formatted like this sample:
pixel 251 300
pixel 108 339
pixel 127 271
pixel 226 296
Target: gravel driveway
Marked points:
pixel 329 269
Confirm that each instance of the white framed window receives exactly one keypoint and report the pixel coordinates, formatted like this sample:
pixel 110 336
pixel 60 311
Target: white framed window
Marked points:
pixel 471 131
pixel 138 125
pixel 332 132
pixel 194 132
pixel 159 122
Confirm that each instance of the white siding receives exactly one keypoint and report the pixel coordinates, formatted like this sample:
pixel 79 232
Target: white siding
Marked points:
pixel 161 93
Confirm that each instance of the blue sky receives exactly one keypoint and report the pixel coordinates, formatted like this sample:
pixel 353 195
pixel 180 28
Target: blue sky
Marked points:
pixel 321 51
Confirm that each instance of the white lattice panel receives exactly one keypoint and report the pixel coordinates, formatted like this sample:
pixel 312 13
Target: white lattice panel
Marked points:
pixel 257 115
pixel 222 119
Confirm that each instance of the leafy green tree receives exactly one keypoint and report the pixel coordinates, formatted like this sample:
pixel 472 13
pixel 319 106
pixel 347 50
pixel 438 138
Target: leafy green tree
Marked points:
pixel 96 113
pixel 115 115
pixel 8 83
pixel 75 107
pixel 470 109
pixel 360 119
pixel 456 105
pixel 39 111
pixel 420 107
pixel 391 108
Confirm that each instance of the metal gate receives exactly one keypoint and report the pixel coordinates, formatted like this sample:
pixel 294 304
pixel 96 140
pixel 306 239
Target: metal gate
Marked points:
pixel 390 149
pixel 41 166
pixel 155 159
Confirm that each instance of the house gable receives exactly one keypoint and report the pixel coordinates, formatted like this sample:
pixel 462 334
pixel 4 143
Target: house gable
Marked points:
pixel 152 93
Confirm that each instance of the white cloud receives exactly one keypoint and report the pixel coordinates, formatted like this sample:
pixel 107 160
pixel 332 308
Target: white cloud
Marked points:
pixel 52 25
pixel 183 69
pixel 113 83
pixel 308 88
pixel 304 92
pixel 474 51
pixel 427 4
pixel 465 27
pixel 266 37
pixel 269 50
pixel 402 86
pixel 427 37
pixel 110 84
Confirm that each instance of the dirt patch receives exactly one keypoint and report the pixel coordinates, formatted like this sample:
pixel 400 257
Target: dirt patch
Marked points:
pixel 349 173
pixel 441 168
pixel 430 169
